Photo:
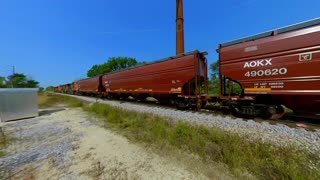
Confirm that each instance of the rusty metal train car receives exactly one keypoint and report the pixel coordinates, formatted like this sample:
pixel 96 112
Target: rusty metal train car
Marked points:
pixel 89 86
pixel 280 67
pixel 180 80
pixel 58 89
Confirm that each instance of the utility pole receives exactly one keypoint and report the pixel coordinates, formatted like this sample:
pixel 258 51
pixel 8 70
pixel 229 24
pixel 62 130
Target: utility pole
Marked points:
pixel 13 72
pixel 180 28
pixel 13 68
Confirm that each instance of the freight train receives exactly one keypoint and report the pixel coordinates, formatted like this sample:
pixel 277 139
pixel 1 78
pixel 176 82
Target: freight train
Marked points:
pixel 258 76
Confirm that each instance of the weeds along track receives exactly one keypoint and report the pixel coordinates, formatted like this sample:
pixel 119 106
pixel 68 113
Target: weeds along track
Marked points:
pixel 291 120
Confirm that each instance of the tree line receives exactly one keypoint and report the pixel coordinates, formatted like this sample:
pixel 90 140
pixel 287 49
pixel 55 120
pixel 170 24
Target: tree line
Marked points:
pixel 18 80
pixel 113 64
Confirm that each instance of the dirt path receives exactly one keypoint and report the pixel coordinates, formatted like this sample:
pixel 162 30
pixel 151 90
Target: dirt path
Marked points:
pixel 70 144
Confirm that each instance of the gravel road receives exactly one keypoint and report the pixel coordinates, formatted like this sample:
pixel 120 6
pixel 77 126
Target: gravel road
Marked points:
pixel 279 134
pixel 66 143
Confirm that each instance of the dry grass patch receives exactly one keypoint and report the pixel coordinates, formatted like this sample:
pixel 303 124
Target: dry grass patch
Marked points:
pixel 5 140
pixel 46 100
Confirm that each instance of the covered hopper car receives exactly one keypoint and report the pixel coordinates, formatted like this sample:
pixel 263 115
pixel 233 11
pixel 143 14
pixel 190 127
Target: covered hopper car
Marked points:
pixel 89 86
pixel 180 80
pixel 59 89
pixel 280 67
pixel 258 75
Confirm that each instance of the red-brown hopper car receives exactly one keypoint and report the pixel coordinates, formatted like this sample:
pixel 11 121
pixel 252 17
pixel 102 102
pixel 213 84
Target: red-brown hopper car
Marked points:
pixel 280 67
pixel 181 79
pixel 89 86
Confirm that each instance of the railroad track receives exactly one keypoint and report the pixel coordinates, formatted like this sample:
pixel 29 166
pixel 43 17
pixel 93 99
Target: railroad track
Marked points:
pixel 290 119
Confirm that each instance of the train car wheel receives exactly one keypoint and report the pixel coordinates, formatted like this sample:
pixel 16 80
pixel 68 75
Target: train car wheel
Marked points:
pixel 199 104
pixel 272 112
pixel 110 97
pixel 181 104
pixel 234 110
pixel 204 104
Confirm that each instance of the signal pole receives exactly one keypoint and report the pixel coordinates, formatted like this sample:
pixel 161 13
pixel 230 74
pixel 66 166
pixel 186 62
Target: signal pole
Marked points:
pixel 13 72
pixel 179 28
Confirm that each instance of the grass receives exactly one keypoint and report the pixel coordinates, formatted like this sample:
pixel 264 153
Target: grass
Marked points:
pixel 5 140
pixel 263 160
pixel 3 143
pixel 49 99
pixel 287 110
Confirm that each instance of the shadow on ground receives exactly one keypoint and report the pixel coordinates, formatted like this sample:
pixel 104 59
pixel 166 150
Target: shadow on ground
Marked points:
pixel 48 112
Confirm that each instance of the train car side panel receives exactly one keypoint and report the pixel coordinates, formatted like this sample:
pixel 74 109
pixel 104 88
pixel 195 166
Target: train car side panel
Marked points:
pixel 280 68
pixel 89 86
pixel 163 80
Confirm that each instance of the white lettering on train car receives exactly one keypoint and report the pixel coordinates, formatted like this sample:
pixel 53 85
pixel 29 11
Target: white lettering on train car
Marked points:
pixel 305 57
pixel 267 72
pixel 258 63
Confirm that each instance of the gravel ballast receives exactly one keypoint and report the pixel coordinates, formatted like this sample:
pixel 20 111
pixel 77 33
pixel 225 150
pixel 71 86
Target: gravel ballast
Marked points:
pixel 36 139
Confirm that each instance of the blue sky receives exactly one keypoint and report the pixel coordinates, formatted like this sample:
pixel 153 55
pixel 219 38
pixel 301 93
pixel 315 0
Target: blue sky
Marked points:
pixel 57 41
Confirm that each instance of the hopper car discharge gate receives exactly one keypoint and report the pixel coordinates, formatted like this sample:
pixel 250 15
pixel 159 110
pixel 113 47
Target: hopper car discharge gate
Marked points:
pixel 194 92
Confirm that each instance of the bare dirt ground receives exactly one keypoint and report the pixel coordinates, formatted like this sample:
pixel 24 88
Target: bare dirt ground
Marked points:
pixel 66 143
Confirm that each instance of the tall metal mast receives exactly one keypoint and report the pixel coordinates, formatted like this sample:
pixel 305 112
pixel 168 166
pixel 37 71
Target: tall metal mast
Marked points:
pixel 180 28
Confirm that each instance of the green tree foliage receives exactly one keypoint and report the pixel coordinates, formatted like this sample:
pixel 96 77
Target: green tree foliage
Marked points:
pixel 50 88
pixel 113 64
pixel 18 80
pixel 97 70
pixel 214 86
pixel 215 70
pixel 214 79
pixel 31 84
pixel 2 82
pixel 41 89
